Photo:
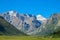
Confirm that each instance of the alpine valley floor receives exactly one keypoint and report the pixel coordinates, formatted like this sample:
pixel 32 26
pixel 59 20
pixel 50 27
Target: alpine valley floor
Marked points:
pixel 26 38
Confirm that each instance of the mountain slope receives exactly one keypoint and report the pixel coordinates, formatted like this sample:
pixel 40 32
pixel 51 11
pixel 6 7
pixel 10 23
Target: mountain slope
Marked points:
pixel 7 29
pixel 56 23
pixel 53 25
pixel 26 23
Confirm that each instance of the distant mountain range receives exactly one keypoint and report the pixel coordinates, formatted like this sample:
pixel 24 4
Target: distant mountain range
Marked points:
pixel 28 24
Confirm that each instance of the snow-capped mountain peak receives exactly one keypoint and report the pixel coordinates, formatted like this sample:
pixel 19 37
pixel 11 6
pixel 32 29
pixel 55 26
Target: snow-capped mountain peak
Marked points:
pixel 12 13
pixel 27 23
pixel 41 18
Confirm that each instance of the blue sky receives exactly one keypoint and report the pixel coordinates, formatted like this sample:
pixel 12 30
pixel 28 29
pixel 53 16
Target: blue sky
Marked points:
pixel 35 7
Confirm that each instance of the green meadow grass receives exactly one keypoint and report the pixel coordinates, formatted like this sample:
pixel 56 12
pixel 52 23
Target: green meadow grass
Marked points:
pixel 26 38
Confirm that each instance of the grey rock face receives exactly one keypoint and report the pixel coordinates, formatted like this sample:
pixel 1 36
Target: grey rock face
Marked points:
pixel 27 23
pixel 31 24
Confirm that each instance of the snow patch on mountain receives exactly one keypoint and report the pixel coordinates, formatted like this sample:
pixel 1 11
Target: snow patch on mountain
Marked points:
pixel 41 18
pixel 12 13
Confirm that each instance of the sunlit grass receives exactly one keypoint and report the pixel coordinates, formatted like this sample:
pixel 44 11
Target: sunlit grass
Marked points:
pixel 26 38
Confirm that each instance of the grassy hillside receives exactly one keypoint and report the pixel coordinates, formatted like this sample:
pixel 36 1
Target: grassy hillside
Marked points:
pixel 8 29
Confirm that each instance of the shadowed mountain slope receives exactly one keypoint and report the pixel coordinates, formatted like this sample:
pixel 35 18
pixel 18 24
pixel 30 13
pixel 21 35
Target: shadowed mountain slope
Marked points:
pixel 8 29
